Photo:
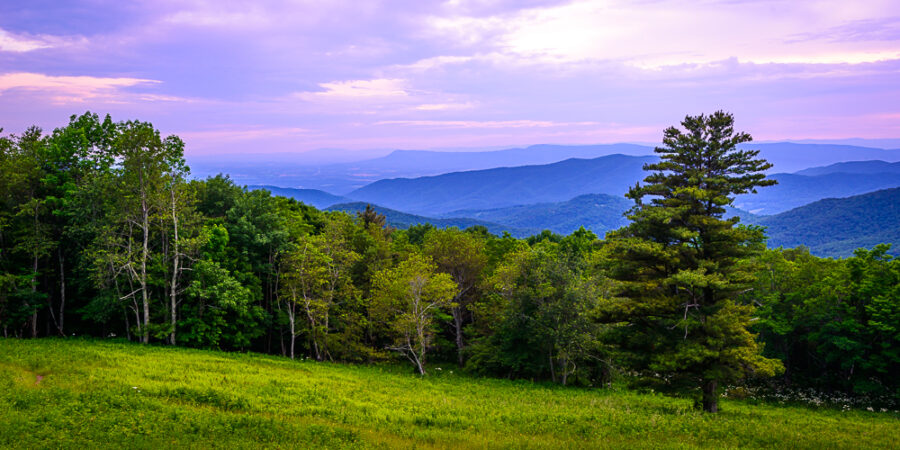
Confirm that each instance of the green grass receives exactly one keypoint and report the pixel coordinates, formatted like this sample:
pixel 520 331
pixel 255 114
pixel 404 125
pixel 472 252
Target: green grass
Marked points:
pixel 104 394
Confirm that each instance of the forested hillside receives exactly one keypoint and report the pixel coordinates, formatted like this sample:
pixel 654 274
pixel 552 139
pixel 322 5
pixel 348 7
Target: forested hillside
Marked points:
pixel 403 220
pixel 838 226
pixel 596 212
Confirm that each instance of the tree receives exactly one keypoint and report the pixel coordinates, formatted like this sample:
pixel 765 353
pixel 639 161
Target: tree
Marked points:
pixel 220 312
pixel 540 322
pixel 406 298
pixel 680 264
pixel 462 256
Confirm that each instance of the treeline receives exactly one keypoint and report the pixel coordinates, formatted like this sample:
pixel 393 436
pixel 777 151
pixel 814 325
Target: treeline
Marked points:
pixel 102 233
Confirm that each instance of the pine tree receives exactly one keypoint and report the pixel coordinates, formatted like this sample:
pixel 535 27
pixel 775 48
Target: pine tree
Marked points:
pixel 680 264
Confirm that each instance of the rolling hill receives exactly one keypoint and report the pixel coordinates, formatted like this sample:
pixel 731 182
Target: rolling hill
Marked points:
pixel 837 226
pixel 596 212
pixel 404 220
pixel 108 394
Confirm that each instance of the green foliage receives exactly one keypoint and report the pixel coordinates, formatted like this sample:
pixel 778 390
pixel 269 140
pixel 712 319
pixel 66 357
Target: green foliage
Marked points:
pixel 834 323
pixel 680 265
pixel 539 322
pixel 406 299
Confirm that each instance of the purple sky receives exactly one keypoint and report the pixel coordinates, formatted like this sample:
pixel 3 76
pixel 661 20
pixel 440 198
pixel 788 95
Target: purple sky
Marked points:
pixel 279 76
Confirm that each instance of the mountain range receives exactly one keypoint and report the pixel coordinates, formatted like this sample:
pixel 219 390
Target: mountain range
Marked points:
pixel 611 175
pixel 309 172
pixel 831 208
pixel 508 186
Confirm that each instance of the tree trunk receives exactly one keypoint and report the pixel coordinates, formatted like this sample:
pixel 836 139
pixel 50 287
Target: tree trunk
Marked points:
pixel 175 269
pixel 62 292
pixel 145 253
pixel 457 325
pixel 291 316
pixel 710 396
pixel 34 315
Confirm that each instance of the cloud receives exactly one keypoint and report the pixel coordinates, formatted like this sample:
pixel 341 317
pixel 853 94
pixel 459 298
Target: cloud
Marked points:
pixel 204 137
pixel 69 89
pixel 19 44
pixel 484 124
pixel 657 34
pixel 356 89
pixel 444 106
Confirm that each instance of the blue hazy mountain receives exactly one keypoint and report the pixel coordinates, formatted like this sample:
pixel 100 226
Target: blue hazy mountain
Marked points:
pixel 790 157
pixel 837 226
pixel 612 175
pixel 307 170
pixel 795 190
pixel 399 219
pixel 293 170
pixel 312 197
pixel 596 212
pixel 853 167
pixel 507 186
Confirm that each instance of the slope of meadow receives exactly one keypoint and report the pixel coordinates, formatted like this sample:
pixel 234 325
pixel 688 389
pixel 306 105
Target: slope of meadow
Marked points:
pixel 85 394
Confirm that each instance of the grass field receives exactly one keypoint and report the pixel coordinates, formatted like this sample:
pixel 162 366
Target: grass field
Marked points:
pixel 103 394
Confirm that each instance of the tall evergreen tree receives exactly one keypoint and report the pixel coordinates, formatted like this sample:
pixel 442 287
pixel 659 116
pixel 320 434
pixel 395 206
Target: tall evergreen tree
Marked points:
pixel 680 264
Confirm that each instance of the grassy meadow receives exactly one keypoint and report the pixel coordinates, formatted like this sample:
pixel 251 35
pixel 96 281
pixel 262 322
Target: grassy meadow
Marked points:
pixel 85 394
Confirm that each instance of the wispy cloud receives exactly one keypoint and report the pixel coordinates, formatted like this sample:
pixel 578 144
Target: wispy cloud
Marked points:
pixel 69 89
pixel 16 43
pixel 445 106
pixel 355 89
pixel 484 124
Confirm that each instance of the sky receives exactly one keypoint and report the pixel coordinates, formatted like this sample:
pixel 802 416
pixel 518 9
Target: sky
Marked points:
pixel 292 76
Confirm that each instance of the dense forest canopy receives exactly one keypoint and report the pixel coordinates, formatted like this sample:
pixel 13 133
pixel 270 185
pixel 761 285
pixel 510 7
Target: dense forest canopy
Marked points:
pixel 103 233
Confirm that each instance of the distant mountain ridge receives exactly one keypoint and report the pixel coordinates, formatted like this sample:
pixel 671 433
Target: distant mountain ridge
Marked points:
pixel 611 175
pixel 509 186
pixel 794 190
pixel 875 166
pixel 290 170
pixel 790 157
